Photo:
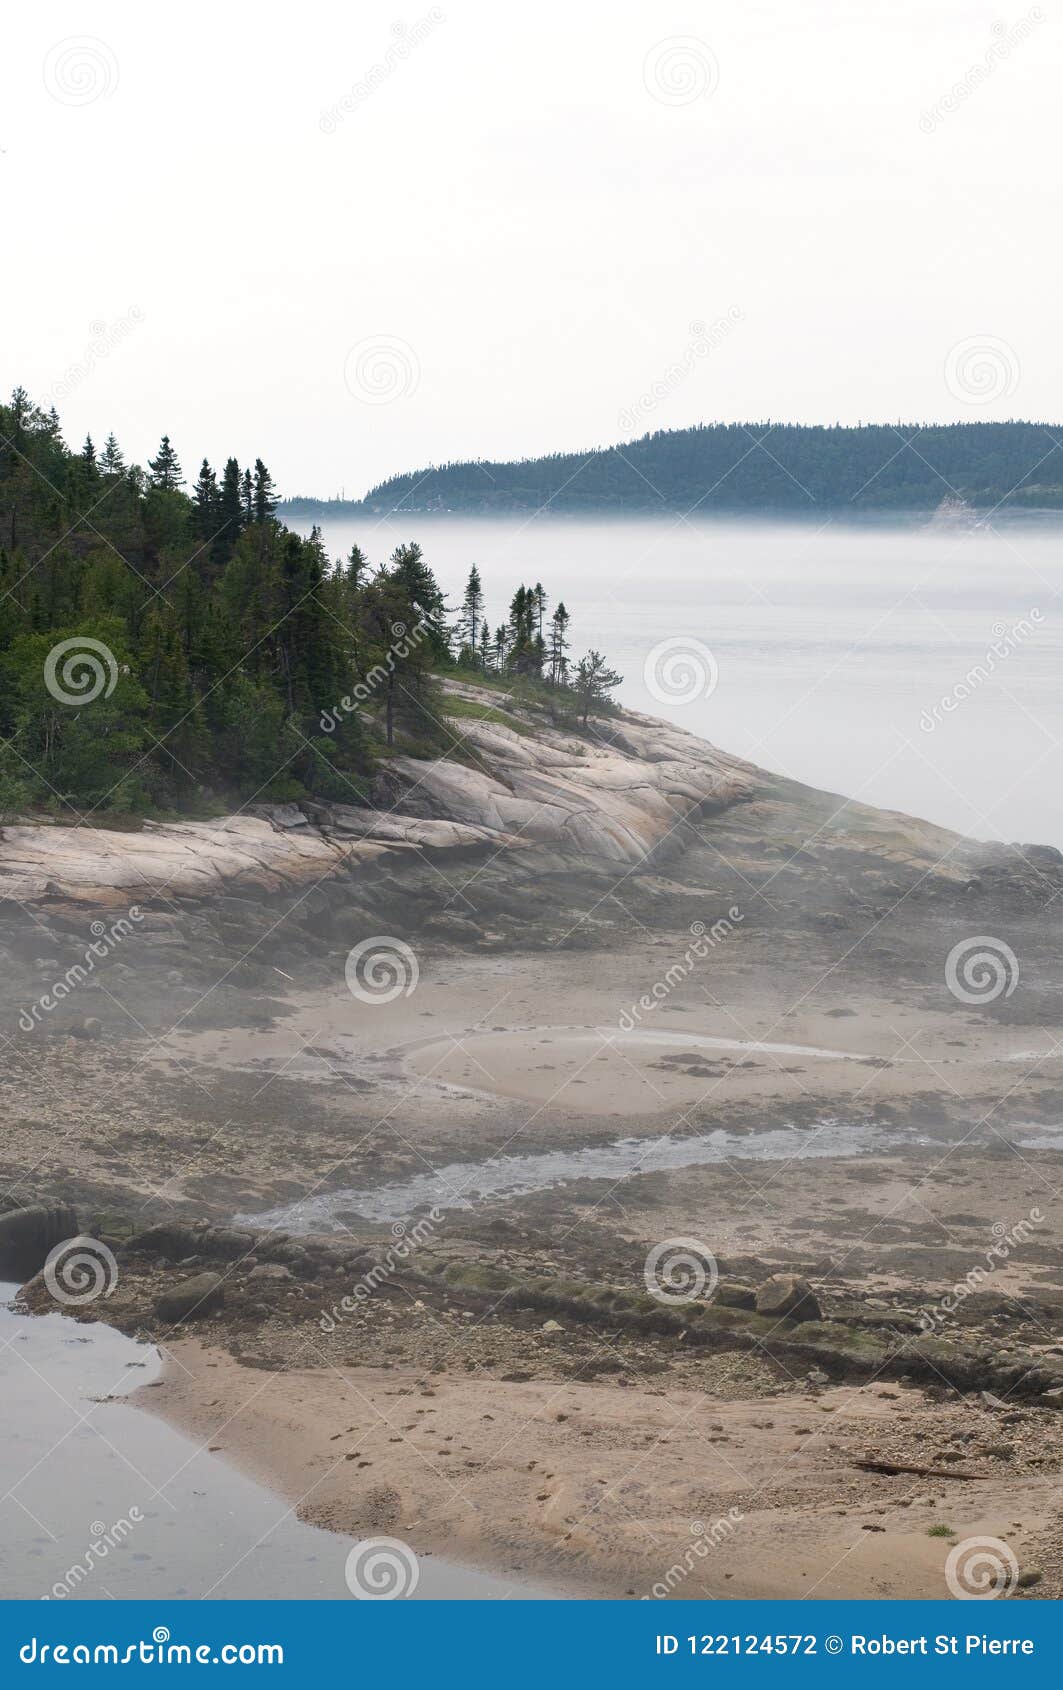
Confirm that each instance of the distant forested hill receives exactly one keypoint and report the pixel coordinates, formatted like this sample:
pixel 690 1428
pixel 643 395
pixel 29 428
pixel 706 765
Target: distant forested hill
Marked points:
pixel 759 466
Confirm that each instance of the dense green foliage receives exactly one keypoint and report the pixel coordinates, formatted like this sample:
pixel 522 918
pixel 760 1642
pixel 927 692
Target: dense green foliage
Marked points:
pixel 162 650
pixel 762 466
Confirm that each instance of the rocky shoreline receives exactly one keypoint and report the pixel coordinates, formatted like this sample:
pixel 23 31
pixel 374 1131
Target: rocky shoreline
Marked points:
pixel 609 944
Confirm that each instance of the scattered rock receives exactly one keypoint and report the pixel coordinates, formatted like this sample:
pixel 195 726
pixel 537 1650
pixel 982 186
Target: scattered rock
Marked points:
pixel 788 1296
pixel 193 1297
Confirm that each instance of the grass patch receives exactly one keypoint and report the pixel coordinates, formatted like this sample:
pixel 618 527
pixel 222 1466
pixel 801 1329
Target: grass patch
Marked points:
pixel 470 708
pixel 940 1531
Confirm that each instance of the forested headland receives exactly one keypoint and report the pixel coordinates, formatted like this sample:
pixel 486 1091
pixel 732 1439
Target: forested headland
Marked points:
pixel 767 467
pixel 168 646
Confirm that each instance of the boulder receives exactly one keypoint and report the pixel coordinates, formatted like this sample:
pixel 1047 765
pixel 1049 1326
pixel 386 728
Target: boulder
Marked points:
pixel 191 1298
pixel 28 1235
pixel 271 1270
pixel 788 1296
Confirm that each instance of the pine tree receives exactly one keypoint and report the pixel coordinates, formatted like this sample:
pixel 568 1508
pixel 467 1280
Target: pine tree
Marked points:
pixel 594 681
pixel 484 653
pixel 165 469
pixel 247 498
pixel 88 452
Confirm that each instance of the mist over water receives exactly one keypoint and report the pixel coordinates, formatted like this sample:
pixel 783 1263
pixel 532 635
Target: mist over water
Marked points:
pixel 836 643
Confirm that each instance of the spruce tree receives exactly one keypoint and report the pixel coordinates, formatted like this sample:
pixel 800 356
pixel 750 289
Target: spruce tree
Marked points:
pixel 558 652
pixel 111 460
pixel 469 617
pixel 207 502
pixel 165 469
pixel 265 496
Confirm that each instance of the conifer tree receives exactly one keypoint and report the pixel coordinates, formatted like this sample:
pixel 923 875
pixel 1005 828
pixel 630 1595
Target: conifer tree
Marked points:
pixel 165 469
pixel 265 496
pixel 230 513
pixel 111 460
pixel 559 645
pixel 469 616
pixel 207 502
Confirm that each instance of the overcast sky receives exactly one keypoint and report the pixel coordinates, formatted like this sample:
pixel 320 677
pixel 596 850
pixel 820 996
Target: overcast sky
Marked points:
pixel 358 238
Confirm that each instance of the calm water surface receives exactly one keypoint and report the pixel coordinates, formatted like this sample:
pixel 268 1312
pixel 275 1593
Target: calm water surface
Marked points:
pixel 834 642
